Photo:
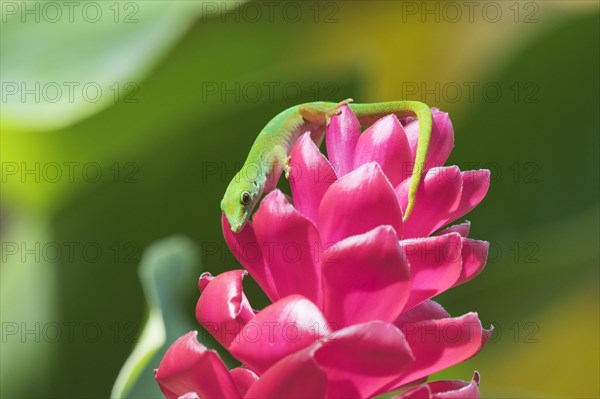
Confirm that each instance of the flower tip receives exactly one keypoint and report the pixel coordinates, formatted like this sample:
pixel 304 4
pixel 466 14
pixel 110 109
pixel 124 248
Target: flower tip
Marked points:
pixel 203 281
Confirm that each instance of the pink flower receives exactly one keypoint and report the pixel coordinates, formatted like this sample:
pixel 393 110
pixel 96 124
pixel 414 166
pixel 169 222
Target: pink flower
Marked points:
pixel 350 281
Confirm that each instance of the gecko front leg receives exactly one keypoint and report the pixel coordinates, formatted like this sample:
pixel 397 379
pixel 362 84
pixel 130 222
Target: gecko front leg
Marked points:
pixel 281 159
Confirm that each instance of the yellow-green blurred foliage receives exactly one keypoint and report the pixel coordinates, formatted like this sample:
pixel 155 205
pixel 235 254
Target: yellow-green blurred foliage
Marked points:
pixel 521 87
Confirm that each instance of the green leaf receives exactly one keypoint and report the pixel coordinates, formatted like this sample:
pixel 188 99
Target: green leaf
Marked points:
pixel 28 302
pixel 166 267
pixel 76 66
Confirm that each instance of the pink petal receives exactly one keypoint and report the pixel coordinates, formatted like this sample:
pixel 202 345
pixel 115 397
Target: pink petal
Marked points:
pixel 189 367
pixel 246 250
pixel 296 376
pixel 454 389
pixel 435 265
pixel 438 344
pixel 243 378
pixel 189 395
pixel 428 310
pixel 441 143
pixel 385 143
pixel 462 229
pixel 361 359
pixel 341 138
pixel 420 392
pixel 287 326
pixel 223 309
pixel 291 246
pixel 358 202
pixel 474 254
pixel 311 175
pixel 475 185
pixel 438 196
pixel 354 362
pixel 361 274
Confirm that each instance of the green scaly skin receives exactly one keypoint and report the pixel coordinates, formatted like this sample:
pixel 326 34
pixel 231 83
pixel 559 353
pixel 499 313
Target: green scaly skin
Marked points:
pixel 269 155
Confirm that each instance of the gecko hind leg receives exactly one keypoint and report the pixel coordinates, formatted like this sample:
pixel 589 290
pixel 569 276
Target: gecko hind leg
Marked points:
pixel 344 102
pixel 321 113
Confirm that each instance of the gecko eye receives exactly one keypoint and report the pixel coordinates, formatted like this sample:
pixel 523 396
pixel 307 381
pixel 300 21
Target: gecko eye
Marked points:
pixel 246 198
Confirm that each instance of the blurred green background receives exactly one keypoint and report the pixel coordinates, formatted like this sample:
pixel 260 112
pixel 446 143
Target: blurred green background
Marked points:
pixel 122 123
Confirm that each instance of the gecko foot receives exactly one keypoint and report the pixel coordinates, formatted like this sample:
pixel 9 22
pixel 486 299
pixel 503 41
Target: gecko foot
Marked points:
pixel 346 101
pixel 286 168
pixel 337 110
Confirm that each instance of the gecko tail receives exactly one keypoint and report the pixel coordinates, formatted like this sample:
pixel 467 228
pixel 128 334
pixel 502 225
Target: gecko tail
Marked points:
pixel 367 114
pixel 423 113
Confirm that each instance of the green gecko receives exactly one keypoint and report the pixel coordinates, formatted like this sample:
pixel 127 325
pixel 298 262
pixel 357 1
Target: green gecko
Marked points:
pixel 269 155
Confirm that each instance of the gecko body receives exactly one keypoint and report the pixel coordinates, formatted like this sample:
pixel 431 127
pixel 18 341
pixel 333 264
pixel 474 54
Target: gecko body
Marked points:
pixel 269 155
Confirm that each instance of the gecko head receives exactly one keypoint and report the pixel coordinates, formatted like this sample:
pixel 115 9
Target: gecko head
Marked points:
pixel 239 200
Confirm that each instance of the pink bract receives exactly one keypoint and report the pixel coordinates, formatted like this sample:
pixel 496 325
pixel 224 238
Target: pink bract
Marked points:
pixel 351 283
